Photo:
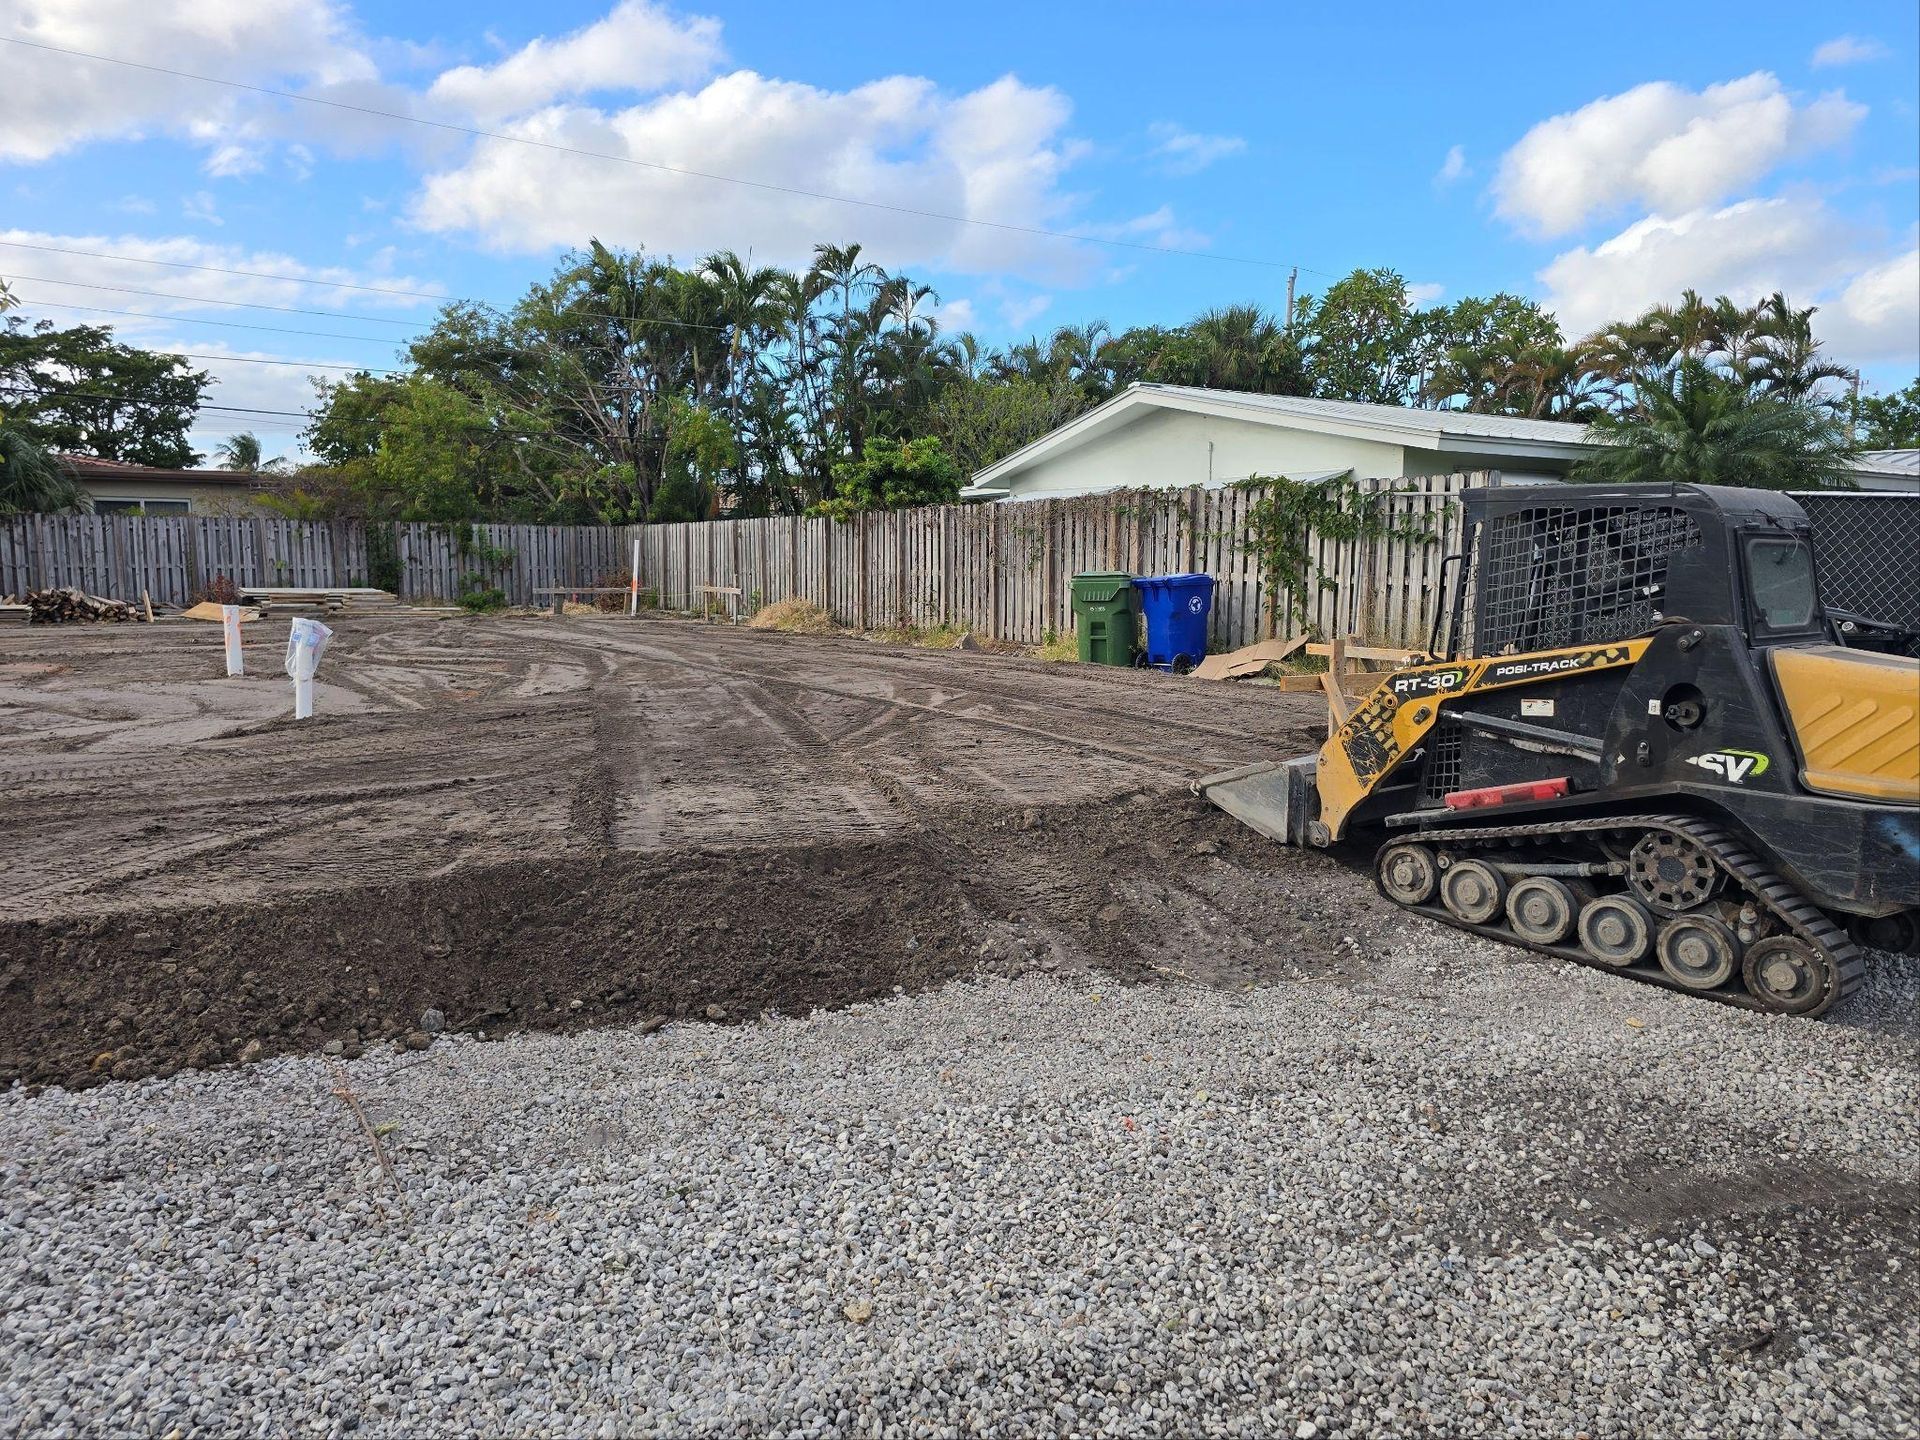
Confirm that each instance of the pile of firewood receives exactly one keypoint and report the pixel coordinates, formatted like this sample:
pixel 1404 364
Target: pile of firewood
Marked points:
pixel 68 605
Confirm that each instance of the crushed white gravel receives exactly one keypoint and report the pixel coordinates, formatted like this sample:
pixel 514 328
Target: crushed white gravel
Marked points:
pixel 1481 1195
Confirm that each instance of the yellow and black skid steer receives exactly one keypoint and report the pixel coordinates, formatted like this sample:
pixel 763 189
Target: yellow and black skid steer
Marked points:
pixel 1640 746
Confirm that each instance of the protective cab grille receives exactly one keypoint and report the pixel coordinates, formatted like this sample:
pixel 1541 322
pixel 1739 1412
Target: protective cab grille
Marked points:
pixel 1550 576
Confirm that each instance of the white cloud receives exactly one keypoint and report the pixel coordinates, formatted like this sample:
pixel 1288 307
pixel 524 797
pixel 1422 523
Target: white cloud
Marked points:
pixel 49 275
pixel 1181 151
pixel 1424 293
pixel 231 160
pixel 1869 301
pixel 55 102
pixel 1661 146
pixel 996 154
pixel 1019 313
pixel 636 47
pixel 1453 167
pixel 956 315
pixel 1848 50
pixel 200 207
pixel 1877 315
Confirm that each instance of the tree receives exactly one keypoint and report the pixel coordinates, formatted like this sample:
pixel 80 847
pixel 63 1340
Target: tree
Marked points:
pixel 1890 422
pixel 242 452
pixel 894 475
pixel 981 421
pixel 77 390
pixel 1366 342
pixel 1706 428
pixel 32 481
pixel 700 453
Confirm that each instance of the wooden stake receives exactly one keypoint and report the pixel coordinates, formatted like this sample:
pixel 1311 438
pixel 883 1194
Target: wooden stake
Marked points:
pixel 1338 706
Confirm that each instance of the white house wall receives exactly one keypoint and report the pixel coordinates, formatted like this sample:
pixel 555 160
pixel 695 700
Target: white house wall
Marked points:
pixel 1168 448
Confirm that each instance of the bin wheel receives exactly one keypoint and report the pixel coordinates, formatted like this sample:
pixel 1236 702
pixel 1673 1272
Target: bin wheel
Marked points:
pixel 1182 665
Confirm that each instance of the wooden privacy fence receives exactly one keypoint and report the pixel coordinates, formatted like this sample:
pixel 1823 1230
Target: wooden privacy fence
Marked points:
pixel 1005 571
pixel 173 558
pixel 1001 570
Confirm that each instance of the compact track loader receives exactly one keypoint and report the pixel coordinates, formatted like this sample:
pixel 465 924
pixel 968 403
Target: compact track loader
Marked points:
pixel 1640 747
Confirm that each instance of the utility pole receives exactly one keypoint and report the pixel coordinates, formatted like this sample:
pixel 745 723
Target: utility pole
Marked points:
pixel 1292 276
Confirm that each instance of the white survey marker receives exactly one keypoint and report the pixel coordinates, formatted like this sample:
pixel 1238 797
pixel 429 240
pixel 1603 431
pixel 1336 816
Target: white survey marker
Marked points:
pixel 306 643
pixel 230 624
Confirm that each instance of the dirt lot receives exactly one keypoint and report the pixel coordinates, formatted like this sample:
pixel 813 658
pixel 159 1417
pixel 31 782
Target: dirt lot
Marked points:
pixel 535 821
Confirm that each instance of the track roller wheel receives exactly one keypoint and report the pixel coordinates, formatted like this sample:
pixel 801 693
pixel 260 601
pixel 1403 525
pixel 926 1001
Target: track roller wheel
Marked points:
pixel 1899 932
pixel 1790 977
pixel 1671 873
pixel 1616 930
pixel 1542 910
pixel 1701 952
pixel 1407 874
pixel 1473 891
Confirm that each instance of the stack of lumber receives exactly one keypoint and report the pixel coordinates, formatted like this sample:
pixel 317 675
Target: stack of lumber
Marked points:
pixel 14 612
pixel 68 605
pixel 316 600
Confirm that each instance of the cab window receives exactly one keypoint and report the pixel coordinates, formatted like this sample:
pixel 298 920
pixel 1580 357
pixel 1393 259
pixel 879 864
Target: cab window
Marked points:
pixel 1780 582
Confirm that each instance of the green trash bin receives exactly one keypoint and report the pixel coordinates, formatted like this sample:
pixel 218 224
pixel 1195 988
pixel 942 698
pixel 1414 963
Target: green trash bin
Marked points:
pixel 1106 617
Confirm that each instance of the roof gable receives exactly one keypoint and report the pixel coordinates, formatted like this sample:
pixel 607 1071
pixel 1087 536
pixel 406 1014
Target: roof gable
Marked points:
pixel 1444 430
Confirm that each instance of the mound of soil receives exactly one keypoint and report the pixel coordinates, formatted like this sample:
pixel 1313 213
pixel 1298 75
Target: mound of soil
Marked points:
pixel 719 934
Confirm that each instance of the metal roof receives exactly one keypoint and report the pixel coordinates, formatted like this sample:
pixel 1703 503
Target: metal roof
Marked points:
pixel 1353 413
pixel 1457 430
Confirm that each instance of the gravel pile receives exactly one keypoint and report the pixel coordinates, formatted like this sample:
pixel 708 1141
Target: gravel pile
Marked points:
pixel 1474 1195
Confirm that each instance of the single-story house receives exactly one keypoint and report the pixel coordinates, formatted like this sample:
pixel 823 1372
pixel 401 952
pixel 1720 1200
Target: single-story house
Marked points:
pixel 120 488
pixel 1173 436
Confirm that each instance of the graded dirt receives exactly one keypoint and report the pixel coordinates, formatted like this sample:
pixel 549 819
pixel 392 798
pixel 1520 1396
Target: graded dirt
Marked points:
pixel 543 822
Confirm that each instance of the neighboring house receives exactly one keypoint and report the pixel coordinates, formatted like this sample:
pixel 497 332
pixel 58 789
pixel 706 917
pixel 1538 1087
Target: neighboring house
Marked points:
pixel 119 488
pixel 1172 436
pixel 1888 470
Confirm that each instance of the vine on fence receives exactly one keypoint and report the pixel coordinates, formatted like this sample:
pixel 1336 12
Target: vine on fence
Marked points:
pixel 383 556
pixel 1289 515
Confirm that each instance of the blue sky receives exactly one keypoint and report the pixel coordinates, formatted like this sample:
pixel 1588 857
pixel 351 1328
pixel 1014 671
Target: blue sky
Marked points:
pixel 1596 162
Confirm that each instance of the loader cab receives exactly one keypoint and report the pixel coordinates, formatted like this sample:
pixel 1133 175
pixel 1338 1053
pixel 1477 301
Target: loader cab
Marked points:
pixel 1550 566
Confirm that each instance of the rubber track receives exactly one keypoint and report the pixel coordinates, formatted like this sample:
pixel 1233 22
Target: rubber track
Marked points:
pixel 1765 886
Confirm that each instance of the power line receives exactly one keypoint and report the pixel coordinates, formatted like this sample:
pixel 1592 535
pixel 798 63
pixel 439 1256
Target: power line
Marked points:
pixel 209 300
pixel 20 402
pixel 548 145
pixel 192 320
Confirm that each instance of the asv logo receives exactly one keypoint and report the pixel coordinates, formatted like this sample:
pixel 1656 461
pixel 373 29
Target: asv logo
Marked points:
pixel 1196 603
pixel 1736 767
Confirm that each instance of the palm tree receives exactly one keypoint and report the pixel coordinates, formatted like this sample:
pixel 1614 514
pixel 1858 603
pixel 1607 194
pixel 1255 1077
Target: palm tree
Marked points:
pixel 1704 428
pixel 843 270
pixel 32 482
pixel 1783 360
pixel 242 452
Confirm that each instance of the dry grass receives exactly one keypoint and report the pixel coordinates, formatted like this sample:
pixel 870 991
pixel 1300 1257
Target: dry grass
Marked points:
pixel 797 617
pixel 1059 649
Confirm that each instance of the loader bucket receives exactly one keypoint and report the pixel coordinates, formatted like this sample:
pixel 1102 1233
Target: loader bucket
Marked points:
pixel 1276 797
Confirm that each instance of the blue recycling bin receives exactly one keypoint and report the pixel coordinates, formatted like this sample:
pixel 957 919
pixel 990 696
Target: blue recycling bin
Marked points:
pixel 1176 607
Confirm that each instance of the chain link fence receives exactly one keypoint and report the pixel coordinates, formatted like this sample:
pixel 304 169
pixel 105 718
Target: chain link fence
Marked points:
pixel 1868 548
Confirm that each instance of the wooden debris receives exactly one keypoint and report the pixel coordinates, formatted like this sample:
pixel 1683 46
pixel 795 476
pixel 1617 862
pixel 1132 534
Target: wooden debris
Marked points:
pixel 1370 652
pixel 208 610
pixel 70 606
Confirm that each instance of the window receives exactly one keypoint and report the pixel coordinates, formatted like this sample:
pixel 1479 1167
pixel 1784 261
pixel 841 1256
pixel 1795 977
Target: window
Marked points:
pixel 1780 581
pixel 140 507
